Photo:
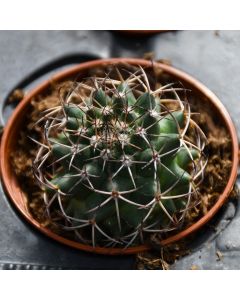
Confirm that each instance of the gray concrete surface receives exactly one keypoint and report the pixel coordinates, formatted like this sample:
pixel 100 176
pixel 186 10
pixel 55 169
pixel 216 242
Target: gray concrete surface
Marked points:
pixel 212 57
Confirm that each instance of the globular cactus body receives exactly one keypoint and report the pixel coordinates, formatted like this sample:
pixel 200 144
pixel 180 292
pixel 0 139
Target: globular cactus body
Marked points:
pixel 121 164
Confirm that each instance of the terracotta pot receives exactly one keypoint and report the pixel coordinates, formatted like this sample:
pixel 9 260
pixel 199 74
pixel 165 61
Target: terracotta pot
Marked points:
pixel 11 131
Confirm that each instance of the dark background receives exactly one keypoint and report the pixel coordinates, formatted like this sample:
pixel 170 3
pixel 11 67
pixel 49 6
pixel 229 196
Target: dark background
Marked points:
pixel 28 56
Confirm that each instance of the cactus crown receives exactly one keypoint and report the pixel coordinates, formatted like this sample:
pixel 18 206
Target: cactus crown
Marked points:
pixel 119 160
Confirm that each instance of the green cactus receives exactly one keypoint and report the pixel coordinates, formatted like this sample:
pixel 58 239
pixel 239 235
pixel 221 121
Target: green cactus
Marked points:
pixel 120 161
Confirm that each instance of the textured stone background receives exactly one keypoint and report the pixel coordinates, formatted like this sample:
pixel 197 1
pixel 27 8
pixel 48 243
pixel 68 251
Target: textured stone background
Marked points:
pixel 212 57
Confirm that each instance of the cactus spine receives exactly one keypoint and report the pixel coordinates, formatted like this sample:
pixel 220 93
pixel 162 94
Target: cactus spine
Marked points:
pixel 116 160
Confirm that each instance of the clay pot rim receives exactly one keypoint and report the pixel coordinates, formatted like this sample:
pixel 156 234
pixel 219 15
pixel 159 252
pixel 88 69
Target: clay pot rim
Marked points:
pixel 6 172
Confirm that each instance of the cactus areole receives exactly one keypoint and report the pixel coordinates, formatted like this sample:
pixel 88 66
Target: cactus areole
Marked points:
pixel 120 160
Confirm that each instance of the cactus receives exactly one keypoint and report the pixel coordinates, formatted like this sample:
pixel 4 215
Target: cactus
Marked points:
pixel 118 161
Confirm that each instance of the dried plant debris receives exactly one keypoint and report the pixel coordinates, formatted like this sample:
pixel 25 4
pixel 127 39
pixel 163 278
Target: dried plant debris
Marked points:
pixel 195 267
pixel 151 56
pixel 219 255
pixel 165 61
pixel 149 262
pixel 16 96
pixel 161 258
